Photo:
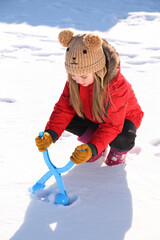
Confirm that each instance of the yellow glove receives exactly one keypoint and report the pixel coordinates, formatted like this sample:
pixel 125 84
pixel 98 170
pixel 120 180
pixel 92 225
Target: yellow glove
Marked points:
pixel 43 142
pixel 81 154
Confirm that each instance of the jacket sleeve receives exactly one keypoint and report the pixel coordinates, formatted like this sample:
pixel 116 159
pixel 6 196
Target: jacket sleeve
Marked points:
pixel 62 114
pixel 113 125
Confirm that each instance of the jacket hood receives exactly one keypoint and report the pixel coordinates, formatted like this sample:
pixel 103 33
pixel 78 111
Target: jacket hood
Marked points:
pixel 112 61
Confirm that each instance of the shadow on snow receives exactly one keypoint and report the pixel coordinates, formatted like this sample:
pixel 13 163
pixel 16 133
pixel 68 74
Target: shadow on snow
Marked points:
pixel 102 206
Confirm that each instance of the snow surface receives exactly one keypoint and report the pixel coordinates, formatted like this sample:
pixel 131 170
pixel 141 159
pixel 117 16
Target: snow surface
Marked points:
pixel 114 203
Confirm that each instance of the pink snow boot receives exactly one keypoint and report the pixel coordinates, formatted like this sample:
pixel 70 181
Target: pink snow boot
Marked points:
pixel 85 138
pixel 115 157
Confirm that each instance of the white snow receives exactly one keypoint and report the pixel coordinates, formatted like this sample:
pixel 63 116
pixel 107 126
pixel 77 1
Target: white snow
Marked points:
pixel 114 203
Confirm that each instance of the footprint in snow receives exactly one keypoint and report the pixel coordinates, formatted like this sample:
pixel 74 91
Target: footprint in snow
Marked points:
pixel 136 150
pixel 7 100
pixel 155 142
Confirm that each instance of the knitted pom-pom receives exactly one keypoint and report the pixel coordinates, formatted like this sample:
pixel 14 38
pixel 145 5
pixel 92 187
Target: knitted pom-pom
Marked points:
pixel 64 37
pixel 92 41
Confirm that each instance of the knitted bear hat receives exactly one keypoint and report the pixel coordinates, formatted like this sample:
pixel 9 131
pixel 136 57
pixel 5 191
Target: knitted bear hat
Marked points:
pixel 84 53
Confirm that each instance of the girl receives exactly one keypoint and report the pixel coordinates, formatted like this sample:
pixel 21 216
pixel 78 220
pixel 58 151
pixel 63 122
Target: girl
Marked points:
pixel 97 103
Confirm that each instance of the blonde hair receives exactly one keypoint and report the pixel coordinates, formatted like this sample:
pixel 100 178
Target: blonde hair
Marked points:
pixel 101 90
pixel 99 99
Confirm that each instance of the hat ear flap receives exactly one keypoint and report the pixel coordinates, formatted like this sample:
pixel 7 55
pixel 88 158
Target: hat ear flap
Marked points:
pixel 64 37
pixel 92 41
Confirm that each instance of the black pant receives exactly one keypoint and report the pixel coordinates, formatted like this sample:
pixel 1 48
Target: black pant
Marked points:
pixel 125 141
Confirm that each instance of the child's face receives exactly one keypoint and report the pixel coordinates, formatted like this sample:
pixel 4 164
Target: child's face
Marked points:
pixel 85 80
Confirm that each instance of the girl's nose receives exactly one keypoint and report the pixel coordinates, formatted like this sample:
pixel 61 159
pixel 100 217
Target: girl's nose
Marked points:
pixel 77 80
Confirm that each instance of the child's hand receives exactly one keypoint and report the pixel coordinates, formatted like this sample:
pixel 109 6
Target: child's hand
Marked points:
pixel 43 142
pixel 81 154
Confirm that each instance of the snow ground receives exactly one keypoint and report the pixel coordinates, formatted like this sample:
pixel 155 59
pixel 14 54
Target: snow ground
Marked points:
pixel 116 203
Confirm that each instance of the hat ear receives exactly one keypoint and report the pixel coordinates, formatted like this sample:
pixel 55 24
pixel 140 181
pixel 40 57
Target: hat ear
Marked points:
pixel 64 37
pixel 92 41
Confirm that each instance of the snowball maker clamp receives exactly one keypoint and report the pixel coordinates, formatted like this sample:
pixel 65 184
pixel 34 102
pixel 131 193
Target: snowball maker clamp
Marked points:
pixel 61 197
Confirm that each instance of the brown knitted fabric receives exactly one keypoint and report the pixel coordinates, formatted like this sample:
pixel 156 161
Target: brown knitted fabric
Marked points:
pixel 84 53
pixel 81 154
pixel 44 142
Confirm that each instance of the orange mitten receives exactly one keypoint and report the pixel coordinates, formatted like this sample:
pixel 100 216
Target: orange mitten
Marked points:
pixel 81 154
pixel 43 142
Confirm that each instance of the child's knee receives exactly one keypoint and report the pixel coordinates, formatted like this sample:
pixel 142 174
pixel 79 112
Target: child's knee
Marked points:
pixel 124 141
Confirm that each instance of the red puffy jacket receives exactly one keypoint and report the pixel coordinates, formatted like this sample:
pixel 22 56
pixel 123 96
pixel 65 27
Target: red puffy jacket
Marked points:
pixel 123 106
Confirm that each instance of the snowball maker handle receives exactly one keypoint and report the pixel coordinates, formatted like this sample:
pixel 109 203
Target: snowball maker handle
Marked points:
pixel 61 197
pixel 67 167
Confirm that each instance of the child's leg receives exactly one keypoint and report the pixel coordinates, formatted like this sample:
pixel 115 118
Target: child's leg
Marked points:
pixel 84 138
pixel 124 142
pixel 77 126
pixel 84 129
